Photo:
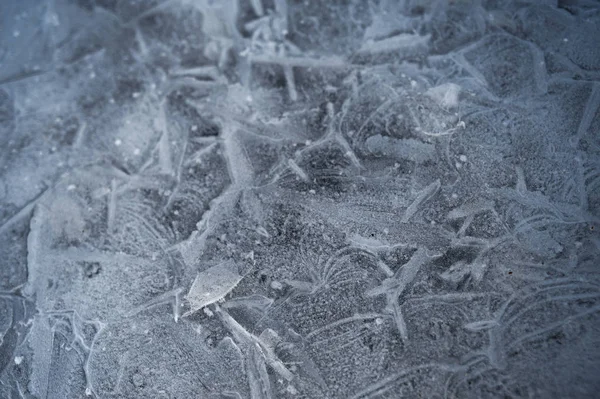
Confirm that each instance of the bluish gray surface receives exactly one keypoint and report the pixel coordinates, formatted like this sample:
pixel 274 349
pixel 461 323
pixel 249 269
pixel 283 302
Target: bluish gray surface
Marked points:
pixel 299 199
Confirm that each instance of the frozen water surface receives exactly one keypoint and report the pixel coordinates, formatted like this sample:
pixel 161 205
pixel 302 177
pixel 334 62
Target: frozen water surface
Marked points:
pixel 299 199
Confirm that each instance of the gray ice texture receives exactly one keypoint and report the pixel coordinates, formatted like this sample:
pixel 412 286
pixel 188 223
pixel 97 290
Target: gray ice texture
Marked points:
pixel 230 199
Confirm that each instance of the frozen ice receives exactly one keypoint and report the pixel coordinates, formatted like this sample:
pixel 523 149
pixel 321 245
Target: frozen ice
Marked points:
pixel 299 199
pixel 212 285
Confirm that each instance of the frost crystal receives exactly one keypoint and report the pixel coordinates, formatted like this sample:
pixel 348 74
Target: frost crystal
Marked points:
pixel 212 285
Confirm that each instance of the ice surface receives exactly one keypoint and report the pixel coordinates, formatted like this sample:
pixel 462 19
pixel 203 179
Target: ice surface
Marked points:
pixel 299 199
pixel 212 285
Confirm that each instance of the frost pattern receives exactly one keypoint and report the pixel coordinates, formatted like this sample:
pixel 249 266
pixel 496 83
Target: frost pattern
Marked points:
pixel 299 199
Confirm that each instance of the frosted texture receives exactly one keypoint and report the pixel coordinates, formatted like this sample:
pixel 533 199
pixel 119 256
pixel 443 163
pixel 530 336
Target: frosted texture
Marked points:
pixel 299 199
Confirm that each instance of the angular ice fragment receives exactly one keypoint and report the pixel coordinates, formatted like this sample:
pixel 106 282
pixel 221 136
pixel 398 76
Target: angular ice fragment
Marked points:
pixel 258 377
pixel 445 95
pixel 329 62
pixel 423 196
pixel 591 109
pixel 470 208
pixel 410 149
pixel 212 285
pixel 461 270
pixel 257 302
pixel 257 7
pixel 394 287
pixel 403 41
pixel 481 325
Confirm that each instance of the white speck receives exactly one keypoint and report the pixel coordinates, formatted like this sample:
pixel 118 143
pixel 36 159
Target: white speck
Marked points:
pixel 379 321
pixel 276 285
pixel 135 95
pixel 136 151
pixel 92 75
pixel 112 101
pixel 16 33
pixel 307 142
pixel 565 40
pixel 18 359
pixel 458 165
pixel 454 195
pixel 118 142
pixel 176 213
pixel 88 391
pixel 312 191
pixel 208 312
pixel 292 390
pixel 71 187
pixel 463 158
pixel 194 128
